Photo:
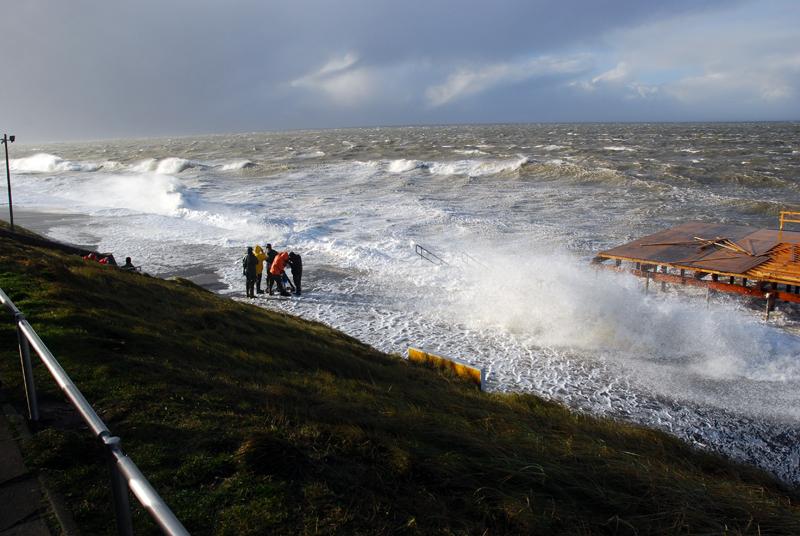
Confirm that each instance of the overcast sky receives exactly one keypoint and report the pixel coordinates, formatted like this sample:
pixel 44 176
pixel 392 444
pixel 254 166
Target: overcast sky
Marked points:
pixel 83 69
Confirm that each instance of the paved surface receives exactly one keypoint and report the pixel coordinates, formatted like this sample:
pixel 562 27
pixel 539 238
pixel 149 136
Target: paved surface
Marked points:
pixel 22 501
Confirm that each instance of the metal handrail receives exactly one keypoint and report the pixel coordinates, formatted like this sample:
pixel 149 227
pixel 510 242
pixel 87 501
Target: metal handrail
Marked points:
pixel 465 258
pixel 784 219
pixel 468 259
pixel 428 255
pixel 125 475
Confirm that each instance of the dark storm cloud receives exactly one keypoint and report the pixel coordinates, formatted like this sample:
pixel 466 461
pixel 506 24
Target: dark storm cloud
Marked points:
pixel 84 69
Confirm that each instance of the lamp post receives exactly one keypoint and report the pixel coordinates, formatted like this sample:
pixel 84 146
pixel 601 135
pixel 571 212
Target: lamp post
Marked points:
pixel 5 141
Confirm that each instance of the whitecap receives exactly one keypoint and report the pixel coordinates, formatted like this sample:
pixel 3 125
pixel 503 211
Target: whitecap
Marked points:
pixel 469 152
pixel 237 165
pixel 402 165
pixel 46 163
pixel 167 166
pixel 478 168
pixel 312 154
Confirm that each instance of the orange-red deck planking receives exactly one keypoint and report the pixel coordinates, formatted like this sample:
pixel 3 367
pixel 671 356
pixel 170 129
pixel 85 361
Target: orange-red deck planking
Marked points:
pixel 766 257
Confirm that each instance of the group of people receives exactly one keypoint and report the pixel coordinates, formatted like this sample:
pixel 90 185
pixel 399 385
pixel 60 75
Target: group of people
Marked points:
pixel 109 260
pixel 253 265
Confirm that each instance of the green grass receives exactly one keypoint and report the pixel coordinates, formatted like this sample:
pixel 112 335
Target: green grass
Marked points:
pixel 253 422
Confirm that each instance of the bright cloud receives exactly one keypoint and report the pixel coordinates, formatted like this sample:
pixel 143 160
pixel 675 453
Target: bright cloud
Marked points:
pixel 341 80
pixel 472 81
pixel 747 56
pixel 618 74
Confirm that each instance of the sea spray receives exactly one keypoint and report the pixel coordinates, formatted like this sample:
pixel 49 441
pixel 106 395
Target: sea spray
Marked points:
pixel 532 210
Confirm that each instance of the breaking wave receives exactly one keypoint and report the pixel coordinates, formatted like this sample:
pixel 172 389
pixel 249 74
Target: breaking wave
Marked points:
pixel 468 167
pixel 402 165
pixel 469 152
pixel 166 166
pixel 48 163
pixel 239 164
pixel 478 168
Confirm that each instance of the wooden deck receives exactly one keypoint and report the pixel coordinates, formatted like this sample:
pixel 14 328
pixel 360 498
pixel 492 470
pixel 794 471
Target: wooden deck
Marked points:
pixel 765 261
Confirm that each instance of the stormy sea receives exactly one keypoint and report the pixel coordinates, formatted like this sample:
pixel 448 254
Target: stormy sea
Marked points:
pixel 514 212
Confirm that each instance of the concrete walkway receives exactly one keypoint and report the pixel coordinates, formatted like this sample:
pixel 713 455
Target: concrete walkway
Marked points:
pixel 23 503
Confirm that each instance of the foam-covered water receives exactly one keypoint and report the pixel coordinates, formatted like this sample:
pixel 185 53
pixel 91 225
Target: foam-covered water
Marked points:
pixel 517 212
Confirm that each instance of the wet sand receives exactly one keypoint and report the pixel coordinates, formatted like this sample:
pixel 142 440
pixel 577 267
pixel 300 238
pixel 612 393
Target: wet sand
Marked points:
pixel 43 222
pixel 199 275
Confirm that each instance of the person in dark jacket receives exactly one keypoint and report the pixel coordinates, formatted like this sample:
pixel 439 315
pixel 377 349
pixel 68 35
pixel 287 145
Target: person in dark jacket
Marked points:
pixel 128 266
pixel 296 264
pixel 271 254
pixel 249 265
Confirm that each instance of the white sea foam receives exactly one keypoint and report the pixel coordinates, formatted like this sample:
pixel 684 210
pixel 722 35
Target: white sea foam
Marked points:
pixel 166 166
pixel 469 152
pixel 44 163
pixel 618 148
pixel 157 194
pixel 237 165
pixel 311 154
pixel 112 165
pixel 401 165
pixel 174 165
pixel 478 168
pixel 559 302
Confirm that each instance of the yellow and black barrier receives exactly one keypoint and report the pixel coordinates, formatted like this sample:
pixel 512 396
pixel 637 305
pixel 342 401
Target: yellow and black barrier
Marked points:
pixel 461 369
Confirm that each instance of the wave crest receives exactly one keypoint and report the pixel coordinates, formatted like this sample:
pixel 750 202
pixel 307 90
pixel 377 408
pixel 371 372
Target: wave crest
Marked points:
pixel 479 168
pixel 402 165
pixel 167 166
pixel 239 164
pixel 46 163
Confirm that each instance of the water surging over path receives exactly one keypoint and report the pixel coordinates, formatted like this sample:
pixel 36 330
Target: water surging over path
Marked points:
pixel 530 203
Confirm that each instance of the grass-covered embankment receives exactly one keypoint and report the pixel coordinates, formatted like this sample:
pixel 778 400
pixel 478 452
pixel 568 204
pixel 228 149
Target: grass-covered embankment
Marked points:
pixel 253 422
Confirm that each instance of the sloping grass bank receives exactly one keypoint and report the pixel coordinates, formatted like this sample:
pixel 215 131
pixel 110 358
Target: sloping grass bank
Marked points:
pixel 252 422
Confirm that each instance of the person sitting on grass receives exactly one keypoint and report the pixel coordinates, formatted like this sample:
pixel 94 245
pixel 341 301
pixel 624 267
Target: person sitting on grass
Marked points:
pixel 128 266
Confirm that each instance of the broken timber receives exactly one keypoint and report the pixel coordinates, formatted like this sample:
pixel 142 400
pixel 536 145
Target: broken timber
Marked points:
pixel 762 263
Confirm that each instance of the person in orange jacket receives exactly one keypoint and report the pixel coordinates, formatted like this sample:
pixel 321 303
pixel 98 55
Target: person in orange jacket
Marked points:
pixel 276 270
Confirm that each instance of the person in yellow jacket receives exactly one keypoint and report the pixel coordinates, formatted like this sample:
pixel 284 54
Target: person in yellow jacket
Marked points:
pixel 262 257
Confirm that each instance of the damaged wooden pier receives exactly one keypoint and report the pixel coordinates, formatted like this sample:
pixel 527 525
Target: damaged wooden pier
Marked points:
pixel 763 263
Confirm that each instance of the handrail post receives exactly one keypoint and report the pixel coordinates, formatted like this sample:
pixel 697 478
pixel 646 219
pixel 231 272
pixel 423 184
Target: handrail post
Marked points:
pixel 27 371
pixel 119 488
pixel 126 478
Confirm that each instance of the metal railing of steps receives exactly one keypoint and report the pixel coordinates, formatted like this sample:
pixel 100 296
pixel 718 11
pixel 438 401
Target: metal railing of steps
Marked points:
pixel 125 476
